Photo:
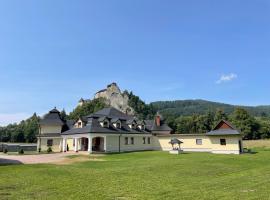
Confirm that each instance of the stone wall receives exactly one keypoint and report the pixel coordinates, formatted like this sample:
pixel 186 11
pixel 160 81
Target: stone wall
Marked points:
pixel 16 147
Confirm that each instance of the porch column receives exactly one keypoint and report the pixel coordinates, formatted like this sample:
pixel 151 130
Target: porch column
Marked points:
pixel 105 143
pixel 76 144
pixel 38 144
pixel 64 144
pixel 89 144
pixel 61 145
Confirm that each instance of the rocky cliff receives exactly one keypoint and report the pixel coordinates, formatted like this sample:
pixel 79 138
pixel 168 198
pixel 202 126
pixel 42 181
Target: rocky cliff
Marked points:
pixel 114 97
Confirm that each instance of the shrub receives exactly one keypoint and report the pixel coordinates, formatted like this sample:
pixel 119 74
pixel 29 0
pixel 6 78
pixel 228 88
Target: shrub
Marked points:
pixel 21 151
pixel 49 150
pixel 5 150
pixel 39 150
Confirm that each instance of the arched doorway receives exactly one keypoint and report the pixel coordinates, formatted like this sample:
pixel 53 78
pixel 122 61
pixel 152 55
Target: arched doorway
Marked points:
pixel 84 144
pixel 98 144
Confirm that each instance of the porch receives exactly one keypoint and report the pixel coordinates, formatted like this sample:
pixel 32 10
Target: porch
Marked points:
pixel 83 143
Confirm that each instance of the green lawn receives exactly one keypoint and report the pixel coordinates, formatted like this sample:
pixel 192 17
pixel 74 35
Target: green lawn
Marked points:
pixel 143 175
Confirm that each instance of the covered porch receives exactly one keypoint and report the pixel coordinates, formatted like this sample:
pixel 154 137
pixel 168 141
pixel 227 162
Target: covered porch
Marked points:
pixel 84 142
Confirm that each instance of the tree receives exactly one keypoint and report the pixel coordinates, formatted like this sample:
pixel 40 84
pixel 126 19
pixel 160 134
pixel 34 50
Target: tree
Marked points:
pixel 142 110
pixel 88 108
pixel 264 128
pixel 247 124
pixel 31 128
pixel 219 115
pixel 63 114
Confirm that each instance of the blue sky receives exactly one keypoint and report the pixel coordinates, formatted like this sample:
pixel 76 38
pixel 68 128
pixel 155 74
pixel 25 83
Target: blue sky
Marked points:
pixel 52 53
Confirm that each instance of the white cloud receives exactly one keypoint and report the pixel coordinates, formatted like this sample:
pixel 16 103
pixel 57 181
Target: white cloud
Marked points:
pixel 226 78
pixel 6 119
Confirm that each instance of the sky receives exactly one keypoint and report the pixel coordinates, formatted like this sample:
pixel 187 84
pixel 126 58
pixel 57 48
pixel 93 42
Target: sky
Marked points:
pixel 52 53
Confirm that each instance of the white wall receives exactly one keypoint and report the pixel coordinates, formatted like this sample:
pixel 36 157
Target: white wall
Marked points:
pixel 50 129
pixel 209 143
pixel 112 143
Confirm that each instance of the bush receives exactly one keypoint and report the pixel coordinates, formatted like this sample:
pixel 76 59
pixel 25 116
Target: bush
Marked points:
pixel 39 150
pixel 21 151
pixel 49 150
pixel 5 150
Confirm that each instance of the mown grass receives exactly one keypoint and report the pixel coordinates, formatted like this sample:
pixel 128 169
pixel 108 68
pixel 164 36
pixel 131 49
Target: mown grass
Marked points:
pixel 143 175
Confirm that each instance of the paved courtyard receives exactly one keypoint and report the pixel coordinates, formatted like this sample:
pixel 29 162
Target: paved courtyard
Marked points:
pixel 35 159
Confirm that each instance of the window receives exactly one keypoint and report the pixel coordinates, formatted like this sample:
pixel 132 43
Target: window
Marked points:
pixel 126 140
pixel 144 140
pixel 132 140
pixel 105 124
pixel 199 141
pixel 133 126
pixel 149 140
pixel 118 125
pixel 49 142
pixel 222 141
pixel 143 127
pixel 79 124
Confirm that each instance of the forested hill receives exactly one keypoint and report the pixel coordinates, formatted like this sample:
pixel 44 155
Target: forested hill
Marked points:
pixel 189 107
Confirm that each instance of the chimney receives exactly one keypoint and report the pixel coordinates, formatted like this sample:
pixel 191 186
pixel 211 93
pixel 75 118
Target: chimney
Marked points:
pixel 158 120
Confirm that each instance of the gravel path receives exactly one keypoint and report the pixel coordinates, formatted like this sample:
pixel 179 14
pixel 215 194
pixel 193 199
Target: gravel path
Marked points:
pixel 34 159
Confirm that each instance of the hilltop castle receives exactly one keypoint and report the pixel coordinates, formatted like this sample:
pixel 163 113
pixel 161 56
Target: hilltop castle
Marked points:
pixel 114 97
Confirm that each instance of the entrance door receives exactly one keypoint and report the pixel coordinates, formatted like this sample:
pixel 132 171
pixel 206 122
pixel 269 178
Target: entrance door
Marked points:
pixel 84 144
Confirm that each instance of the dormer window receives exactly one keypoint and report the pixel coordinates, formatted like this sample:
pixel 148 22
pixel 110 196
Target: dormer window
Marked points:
pixel 118 125
pixel 132 124
pixel 106 124
pixel 142 127
pixel 80 124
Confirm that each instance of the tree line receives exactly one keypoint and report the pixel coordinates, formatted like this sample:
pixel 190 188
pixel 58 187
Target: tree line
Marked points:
pixel 25 131
pixel 252 127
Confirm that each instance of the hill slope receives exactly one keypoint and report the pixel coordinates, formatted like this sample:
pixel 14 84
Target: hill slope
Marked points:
pixel 189 107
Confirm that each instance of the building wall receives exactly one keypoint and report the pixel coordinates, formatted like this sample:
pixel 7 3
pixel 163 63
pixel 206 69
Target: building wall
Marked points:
pixel 112 143
pixel 209 143
pixel 56 144
pixel 232 144
pixel 50 129
pixel 70 144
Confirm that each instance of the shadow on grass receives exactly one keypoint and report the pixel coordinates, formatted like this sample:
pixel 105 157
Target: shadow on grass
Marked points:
pixel 5 162
pixel 249 151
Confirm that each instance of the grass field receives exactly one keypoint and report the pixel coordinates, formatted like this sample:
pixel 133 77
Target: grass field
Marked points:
pixel 250 144
pixel 143 175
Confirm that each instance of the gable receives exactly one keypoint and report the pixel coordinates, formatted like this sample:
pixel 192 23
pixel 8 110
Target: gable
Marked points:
pixel 223 125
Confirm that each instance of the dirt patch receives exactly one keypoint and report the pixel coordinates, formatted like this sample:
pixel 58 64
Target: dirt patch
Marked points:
pixel 77 159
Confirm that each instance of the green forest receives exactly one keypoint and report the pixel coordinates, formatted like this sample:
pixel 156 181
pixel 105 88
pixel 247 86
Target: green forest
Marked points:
pixel 184 117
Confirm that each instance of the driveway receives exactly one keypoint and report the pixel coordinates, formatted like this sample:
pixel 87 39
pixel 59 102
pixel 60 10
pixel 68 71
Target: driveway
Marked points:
pixel 34 159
